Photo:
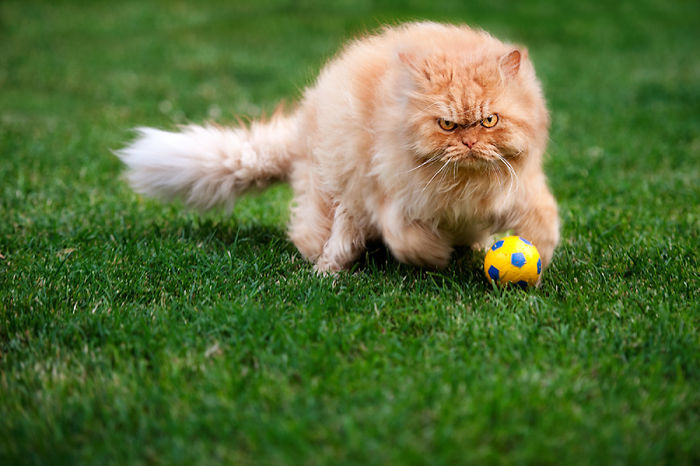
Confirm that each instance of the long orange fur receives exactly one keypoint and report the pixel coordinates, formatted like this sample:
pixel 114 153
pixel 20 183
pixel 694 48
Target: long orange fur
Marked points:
pixel 367 156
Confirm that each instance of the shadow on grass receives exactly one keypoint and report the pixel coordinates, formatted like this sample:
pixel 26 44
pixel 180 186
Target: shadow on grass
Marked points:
pixel 465 264
pixel 259 243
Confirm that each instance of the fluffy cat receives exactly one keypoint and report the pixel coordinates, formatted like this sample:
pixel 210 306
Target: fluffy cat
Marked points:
pixel 425 135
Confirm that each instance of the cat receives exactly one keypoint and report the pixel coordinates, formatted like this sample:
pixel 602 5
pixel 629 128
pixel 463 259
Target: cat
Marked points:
pixel 424 135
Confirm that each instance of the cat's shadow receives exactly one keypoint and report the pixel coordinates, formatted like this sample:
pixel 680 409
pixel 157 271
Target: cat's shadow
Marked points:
pixel 465 265
pixel 248 239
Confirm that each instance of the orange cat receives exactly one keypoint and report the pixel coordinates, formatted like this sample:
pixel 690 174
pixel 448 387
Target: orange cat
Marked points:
pixel 426 136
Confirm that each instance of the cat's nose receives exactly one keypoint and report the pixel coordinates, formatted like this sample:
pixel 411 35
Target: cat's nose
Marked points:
pixel 468 142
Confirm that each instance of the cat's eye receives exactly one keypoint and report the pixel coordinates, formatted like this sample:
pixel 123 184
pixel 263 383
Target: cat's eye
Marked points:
pixel 447 125
pixel 490 121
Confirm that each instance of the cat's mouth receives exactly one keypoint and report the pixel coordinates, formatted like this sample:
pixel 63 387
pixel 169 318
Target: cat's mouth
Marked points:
pixel 471 159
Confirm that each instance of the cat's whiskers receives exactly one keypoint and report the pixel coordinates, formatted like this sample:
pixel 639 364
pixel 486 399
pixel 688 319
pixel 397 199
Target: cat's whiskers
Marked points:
pixel 513 176
pixel 434 158
pixel 441 183
pixel 434 175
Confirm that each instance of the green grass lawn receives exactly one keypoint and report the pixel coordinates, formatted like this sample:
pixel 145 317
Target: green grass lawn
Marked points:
pixel 135 332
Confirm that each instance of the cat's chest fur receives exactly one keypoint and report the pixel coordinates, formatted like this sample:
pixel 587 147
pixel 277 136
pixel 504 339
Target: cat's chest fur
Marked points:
pixel 464 206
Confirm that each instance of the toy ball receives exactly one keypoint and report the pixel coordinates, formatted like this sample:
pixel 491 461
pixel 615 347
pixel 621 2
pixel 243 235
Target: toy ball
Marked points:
pixel 513 259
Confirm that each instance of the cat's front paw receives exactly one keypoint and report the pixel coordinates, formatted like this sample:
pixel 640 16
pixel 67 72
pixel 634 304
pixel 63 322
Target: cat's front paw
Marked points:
pixel 325 267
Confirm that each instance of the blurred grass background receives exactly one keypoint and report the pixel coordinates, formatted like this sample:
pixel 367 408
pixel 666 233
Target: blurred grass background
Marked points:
pixel 132 332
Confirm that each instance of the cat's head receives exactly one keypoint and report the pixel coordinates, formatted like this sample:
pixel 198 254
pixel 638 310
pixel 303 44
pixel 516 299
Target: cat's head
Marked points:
pixel 474 110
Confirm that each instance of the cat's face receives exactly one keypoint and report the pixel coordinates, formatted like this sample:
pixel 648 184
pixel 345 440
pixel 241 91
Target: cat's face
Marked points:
pixel 475 113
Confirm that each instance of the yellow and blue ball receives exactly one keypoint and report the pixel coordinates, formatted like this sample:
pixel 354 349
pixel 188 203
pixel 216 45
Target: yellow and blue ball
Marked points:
pixel 513 259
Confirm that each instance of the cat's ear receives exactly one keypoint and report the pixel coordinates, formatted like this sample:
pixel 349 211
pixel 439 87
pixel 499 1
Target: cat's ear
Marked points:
pixel 417 67
pixel 509 64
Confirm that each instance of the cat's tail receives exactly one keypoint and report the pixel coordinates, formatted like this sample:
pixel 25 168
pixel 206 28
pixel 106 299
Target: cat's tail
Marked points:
pixel 210 166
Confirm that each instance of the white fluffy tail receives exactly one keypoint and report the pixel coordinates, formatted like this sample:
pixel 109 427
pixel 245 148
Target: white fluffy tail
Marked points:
pixel 209 166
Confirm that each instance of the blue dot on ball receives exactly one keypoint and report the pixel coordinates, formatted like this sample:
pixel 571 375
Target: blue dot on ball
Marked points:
pixel 493 273
pixel 539 266
pixel 497 245
pixel 517 259
pixel 525 241
pixel 522 284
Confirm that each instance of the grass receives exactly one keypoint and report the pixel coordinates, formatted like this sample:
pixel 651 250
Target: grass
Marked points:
pixel 135 332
